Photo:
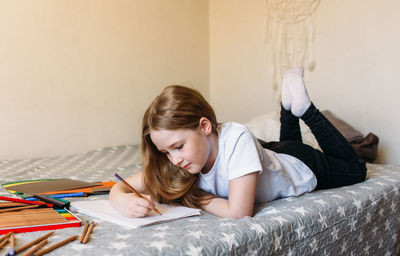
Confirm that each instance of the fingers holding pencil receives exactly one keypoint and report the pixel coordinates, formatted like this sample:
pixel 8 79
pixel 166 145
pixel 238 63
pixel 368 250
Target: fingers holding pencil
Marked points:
pixel 137 207
pixel 135 192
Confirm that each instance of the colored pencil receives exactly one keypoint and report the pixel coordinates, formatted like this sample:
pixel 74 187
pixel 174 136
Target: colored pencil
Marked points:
pixel 30 244
pixel 55 246
pixel 54 201
pixel 12 245
pixel 88 233
pixel 36 247
pixel 6 236
pixel 3 243
pixel 78 194
pixel 17 200
pixel 11 204
pixel 37 219
pixel 133 190
pixel 84 231
pixel 18 208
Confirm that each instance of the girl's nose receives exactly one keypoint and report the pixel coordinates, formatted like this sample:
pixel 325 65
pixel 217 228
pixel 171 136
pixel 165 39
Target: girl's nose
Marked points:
pixel 177 160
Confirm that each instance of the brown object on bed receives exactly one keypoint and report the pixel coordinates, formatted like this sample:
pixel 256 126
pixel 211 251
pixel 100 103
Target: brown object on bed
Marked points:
pixel 365 146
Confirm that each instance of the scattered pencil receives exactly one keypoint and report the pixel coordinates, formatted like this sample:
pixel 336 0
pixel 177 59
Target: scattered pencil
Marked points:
pixel 30 244
pixel 3 243
pixel 55 246
pixel 133 190
pixel 18 208
pixel 36 247
pixel 88 233
pixel 84 231
pixel 12 245
pixel 6 236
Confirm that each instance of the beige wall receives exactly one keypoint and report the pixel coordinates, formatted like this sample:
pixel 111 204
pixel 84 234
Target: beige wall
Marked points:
pixel 356 75
pixel 78 75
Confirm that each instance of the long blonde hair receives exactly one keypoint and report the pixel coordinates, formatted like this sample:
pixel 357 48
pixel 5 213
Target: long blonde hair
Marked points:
pixel 177 107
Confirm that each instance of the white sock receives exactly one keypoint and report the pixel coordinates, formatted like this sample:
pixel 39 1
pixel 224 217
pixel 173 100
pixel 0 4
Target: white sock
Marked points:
pixel 286 96
pixel 300 100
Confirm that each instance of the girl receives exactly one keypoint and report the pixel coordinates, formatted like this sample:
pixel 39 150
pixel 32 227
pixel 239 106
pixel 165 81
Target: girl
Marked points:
pixel 189 159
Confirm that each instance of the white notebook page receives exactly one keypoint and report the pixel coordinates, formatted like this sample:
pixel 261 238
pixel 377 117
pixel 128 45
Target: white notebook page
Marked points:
pixel 103 210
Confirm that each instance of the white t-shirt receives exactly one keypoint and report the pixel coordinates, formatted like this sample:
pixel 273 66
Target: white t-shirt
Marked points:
pixel 239 153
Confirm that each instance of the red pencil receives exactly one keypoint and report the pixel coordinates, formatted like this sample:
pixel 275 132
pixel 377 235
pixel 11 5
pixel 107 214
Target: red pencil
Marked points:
pixel 12 199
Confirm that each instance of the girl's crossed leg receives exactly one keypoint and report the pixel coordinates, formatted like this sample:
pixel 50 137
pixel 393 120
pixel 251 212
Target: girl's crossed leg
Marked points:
pixel 338 164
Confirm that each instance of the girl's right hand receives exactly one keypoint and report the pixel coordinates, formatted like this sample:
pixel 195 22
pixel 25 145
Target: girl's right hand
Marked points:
pixel 133 206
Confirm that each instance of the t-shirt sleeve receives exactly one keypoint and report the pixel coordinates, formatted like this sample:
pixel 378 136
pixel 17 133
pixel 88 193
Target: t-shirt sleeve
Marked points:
pixel 245 157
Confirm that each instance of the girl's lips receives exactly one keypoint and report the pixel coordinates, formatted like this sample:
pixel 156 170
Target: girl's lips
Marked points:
pixel 186 166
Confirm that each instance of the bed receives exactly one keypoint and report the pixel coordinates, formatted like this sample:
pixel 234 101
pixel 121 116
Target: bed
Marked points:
pixel 362 219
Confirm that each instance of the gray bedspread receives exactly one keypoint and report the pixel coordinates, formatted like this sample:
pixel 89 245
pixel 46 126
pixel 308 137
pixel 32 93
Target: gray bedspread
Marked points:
pixel 363 219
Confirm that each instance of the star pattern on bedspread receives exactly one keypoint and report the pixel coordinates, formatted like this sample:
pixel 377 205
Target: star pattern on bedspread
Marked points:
pixel 161 234
pixel 229 239
pixel 322 220
pixel 78 247
pixel 278 242
pixel 335 234
pixel 352 224
pixel 162 228
pixel 279 219
pixel 321 202
pixel 313 245
pixel 227 224
pixel 380 243
pixel 330 223
pixel 341 211
pixel 272 211
pixel 118 245
pixel 160 245
pixel 360 237
pixel 357 203
pixel 197 234
pixel 300 231
pixel 343 247
pixel 258 228
pixel 123 236
pixel 301 210
pixel 194 251
pixel 366 249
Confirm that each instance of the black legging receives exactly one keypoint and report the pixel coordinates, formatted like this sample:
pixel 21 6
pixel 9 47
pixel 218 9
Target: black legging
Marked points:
pixel 338 165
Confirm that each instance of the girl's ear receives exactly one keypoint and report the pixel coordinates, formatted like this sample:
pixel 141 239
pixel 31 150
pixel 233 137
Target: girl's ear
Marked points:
pixel 205 126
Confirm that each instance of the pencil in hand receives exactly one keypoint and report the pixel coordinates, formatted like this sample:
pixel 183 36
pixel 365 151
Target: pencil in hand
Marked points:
pixel 133 190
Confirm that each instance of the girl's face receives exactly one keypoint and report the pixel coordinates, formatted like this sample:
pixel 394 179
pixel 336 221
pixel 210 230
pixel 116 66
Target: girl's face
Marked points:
pixel 192 149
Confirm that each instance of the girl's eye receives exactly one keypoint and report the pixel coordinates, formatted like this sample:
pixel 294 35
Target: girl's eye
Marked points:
pixel 179 147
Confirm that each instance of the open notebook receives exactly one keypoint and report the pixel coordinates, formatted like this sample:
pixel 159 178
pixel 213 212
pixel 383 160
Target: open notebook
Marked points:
pixel 103 210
